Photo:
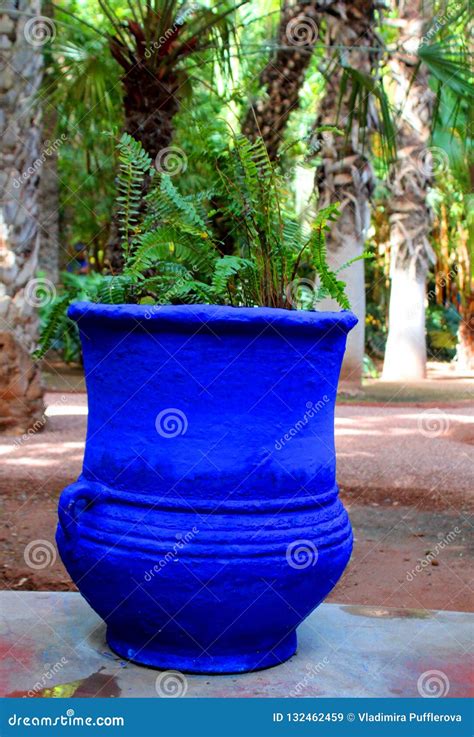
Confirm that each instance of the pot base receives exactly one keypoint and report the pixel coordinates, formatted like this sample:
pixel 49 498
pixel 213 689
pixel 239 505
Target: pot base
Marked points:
pixel 154 656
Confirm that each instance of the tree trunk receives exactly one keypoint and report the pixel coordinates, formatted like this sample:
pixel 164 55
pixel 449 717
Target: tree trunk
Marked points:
pixel 405 353
pixel 21 403
pixel 410 217
pixel 284 75
pixel 345 174
pixel 48 194
pixel 465 348
pixel 48 200
pixel 150 106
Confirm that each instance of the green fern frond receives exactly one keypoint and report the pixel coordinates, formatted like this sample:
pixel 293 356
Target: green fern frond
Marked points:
pixel 225 271
pixel 191 291
pixel 134 166
pixel 185 244
pixel 55 325
pixel 182 204
pixel 116 290
pixel 333 286
pixel 364 256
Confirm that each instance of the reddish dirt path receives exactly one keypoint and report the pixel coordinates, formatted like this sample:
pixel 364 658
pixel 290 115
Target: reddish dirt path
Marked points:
pixel 405 473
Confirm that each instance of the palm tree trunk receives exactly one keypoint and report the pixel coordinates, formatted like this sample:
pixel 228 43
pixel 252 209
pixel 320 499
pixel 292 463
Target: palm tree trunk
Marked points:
pixel 410 217
pixel 405 352
pixel 284 74
pixel 465 348
pixel 345 174
pixel 150 104
pixel 21 403
pixel 48 200
pixel 48 194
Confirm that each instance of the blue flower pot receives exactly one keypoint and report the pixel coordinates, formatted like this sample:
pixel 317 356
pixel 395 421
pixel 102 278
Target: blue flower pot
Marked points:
pixel 206 523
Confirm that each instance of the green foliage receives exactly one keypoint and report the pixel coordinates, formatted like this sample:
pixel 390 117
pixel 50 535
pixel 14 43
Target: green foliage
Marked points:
pixel 330 285
pixel 57 330
pixel 363 86
pixel 441 332
pixel 375 330
pixel 268 233
pixel 134 164
pixel 172 254
pixel 369 369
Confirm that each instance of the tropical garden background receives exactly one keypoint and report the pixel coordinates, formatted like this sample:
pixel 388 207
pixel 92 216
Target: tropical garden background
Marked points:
pixel 365 104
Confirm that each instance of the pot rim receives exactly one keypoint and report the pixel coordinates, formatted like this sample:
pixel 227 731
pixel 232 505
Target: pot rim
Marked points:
pixel 214 315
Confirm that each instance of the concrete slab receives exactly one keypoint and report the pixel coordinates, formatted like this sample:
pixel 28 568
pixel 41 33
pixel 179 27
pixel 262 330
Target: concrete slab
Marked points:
pixel 53 645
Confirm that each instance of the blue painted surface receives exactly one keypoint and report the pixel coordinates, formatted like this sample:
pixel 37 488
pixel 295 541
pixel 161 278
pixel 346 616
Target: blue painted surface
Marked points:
pixel 206 523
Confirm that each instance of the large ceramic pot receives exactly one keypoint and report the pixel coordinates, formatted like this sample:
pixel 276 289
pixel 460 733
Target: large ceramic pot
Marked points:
pixel 206 523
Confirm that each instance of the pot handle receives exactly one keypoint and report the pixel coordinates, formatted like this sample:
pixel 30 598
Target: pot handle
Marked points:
pixel 74 500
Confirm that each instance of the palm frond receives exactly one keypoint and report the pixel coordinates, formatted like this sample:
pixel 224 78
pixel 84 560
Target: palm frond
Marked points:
pixel 451 66
pixel 362 86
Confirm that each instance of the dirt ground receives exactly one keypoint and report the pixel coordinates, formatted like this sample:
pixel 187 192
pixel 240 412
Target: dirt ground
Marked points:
pixel 405 469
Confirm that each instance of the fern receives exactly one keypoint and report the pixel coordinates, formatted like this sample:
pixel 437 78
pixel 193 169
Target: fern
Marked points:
pixel 182 204
pixel 172 255
pixel 54 326
pixel 134 165
pixel 57 330
pixel 226 270
pixel 333 286
pixel 362 256
pixel 192 291
pixel 116 290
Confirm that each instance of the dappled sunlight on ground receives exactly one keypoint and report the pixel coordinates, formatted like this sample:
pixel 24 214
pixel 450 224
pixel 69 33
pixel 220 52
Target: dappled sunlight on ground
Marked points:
pixel 68 409
pixel 410 448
